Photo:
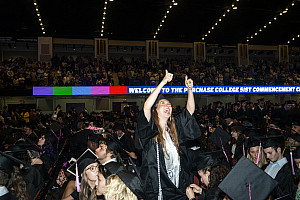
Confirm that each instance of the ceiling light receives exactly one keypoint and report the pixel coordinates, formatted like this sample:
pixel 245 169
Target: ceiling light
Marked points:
pixel 212 27
pixel 208 31
pixel 298 35
pixel 37 9
pixel 34 3
pixel 275 18
pixel 228 10
pixel 220 19
pixel 265 26
pixel 165 16
pixel 293 39
pixel 216 23
pixel 162 20
pixel 247 40
pixel 223 15
pixel 160 25
pixel 154 36
pixel 103 22
pixel 111 0
pixel 41 24
pixel 168 11
pixel 288 42
pixel 251 36
pixel 293 4
pixel 255 33
pixel 205 35
pixel 175 4
pixel 101 35
pixel 270 22
pixel 260 30
pixel 40 19
pixel 158 29
pixel 203 38
pixel 102 26
pixel 44 32
pixel 234 8
pixel 170 6
pixel 105 2
pixel 43 28
pixel 284 11
pixel 232 5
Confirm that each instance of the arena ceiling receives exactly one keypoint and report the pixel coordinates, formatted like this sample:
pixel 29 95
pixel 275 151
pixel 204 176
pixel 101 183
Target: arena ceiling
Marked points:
pixel 188 21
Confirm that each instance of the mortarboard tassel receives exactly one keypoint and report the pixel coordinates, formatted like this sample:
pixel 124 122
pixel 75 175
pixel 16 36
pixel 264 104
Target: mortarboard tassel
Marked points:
pixel 77 179
pixel 292 163
pixel 224 150
pixel 257 159
pixel 243 148
pixel 249 192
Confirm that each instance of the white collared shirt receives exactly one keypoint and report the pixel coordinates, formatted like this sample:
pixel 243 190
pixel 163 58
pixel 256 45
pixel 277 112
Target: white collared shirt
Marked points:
pixel 111 160
pixel 3 191
pixel 273 168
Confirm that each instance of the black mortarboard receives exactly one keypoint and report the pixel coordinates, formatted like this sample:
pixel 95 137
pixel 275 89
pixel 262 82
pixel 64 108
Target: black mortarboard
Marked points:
pixel 95 138
pixel 296 122
pixel 252 133
pixel 272 140
pixel 7 161
pixel 160 97
pixel 87 154
pixel 220 137
pixel 261 99
pixel 274 132
pixel 208 159
pixel 132 181
pixel 118 126
pixel 296 153
pixel 247 181
pixel 288 102
pixel 296 137
pixel 252 142
pixel 84 163
pixel 113 144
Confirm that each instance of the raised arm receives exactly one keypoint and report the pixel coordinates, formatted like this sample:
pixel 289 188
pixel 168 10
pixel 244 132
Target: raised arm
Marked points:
pixel 190 105
pixel 153 96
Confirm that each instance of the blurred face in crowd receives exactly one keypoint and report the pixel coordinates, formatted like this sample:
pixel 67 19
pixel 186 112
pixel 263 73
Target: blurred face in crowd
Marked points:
pixel 296 129
pixel 261 104
pixel 253 151
pixel 92 172
pixel 42 140
pixel 204 176
pixel 164 109
pixel 119 133
pixel 288 106
pixel 102 154
pixel 101 184
pixel 273 155
pixel 92 145
pixel 235 134
pixel 28 130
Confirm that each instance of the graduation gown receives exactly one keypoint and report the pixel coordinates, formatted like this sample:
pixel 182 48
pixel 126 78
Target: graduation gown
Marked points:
pixel 285 182
pixel 114 167
pixel 212 194
pixel 187 129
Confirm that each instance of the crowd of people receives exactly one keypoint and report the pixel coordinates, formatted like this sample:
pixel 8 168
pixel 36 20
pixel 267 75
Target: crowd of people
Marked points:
pixel 87 71
pixel 241 149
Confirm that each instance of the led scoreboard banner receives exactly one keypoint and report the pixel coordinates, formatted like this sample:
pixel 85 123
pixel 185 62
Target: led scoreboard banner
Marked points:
pixel 114 90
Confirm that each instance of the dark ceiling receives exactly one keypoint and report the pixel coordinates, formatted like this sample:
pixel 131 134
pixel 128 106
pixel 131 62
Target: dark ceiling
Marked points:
pixel 139 19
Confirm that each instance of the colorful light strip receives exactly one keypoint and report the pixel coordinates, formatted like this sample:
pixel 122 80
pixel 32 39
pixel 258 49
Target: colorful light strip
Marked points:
pixel 124 90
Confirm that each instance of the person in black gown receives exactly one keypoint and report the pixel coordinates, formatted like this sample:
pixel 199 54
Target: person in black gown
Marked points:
pixel 160 137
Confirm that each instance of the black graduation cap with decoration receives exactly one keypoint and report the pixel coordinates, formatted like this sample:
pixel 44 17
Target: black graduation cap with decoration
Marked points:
pixel 247 181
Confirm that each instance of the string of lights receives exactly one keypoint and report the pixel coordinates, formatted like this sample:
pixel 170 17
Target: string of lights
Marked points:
pixel 39 16
pixel 233 7
pixel 294 38
pixel 104 16
pixel 271 21
pixel 173 3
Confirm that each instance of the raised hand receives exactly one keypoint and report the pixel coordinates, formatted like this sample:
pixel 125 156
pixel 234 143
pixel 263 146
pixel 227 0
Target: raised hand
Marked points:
pixel 168 77
pixel 189 83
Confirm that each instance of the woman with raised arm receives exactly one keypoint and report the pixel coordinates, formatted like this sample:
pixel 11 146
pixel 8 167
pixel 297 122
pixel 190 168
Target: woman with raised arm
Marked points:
pixel 165 170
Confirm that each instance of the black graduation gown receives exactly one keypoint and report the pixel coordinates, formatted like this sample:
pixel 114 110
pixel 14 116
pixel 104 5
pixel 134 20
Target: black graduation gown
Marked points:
pixel 212 194
pixel 285 182
pixel 78 143
pixel 8 196
pixel 187 129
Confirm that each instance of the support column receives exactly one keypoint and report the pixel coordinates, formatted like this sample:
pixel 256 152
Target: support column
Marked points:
pixel 44 49
pixel 199 51
pixel 243 54
pixel 101 48
pixel 283 55
pixel 152 50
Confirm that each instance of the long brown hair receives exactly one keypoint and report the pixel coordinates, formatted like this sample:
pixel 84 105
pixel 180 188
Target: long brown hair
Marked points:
pixel 172 132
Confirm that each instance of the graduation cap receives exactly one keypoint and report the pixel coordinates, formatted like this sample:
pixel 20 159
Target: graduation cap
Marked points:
pixel 87 154
pixel 206 159
pixel 252 142
pixel 95 138
pixel 113 144
pixel 252 133
pixel 261 99
pixel 160 97
pixel 132 181
pixel 247 181
pixel 220 138
pixel 7 161
pixel 274 132
pixel 118 126
pixel 272 140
